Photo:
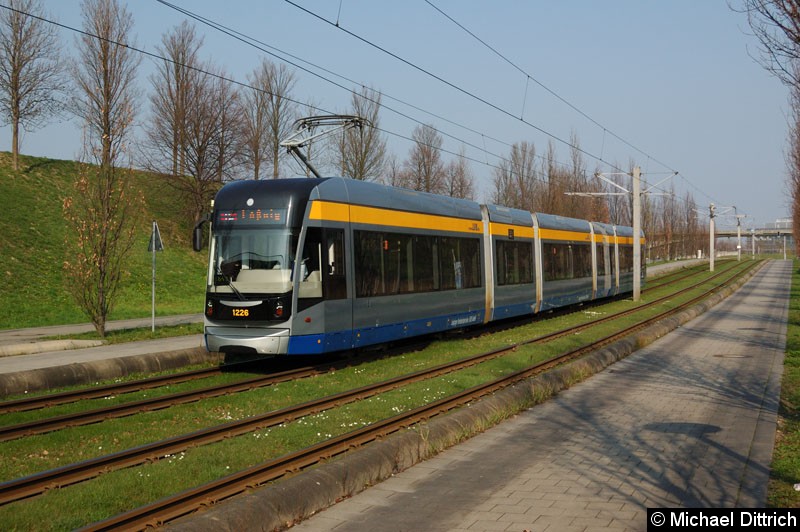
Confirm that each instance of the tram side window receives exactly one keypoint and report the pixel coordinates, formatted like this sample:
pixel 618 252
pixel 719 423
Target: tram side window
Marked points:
pixel 566 261
pixel 397 263
pixel 368 263
pixel 557 261
pixel 583 260
pixel 601 260
pixel 460 263
pixel 514 262
pixel 334 284
pixel 426 267
pixel 323 263
pixel 625 259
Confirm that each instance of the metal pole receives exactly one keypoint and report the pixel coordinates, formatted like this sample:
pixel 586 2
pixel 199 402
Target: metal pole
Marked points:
pixel 753 242
pixel 739 235
pixel 637 235
pixel 153 291
pixel 711 237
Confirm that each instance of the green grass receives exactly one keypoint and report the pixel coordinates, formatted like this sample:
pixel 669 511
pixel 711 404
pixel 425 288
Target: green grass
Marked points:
pixel 134 335
pixel 785 471
pixel 32 234
pixel 117 491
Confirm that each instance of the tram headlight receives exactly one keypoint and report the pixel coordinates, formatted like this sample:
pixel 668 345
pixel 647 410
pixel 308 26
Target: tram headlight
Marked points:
pixel 279 310
pixel 209 308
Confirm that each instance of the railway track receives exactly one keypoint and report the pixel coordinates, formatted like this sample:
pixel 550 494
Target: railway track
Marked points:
pixel 38 483
pixel 98 392
pixel 45 425
pixel 189 501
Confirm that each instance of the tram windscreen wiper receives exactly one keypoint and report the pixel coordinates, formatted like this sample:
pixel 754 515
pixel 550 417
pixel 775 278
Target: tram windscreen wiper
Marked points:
pixel 230 283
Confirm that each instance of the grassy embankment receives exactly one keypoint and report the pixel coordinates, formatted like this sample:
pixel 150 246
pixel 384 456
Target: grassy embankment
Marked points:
pixel 32 232
pixel 786 457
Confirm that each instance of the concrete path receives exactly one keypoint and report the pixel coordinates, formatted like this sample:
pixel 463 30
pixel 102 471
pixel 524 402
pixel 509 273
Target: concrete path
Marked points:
pixel 29 363
pixel 688 421
pixel 36 334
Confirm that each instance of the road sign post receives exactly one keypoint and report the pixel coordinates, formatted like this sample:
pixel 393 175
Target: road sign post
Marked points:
pixel 155 245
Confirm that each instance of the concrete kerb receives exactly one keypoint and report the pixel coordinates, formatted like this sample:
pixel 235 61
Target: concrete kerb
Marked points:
pixel 88 372
pixel 278 505
pixel 49 345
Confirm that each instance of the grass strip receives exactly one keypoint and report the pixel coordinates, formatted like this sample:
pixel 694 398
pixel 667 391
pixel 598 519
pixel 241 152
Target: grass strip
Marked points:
pixel 785 470
pixel 117 491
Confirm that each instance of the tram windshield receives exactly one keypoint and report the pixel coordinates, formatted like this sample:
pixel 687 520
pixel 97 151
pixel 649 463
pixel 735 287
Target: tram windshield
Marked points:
pixel 256 259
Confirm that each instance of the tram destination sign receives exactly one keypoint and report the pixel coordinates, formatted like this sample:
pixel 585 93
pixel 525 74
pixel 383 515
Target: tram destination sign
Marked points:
pixel 253 216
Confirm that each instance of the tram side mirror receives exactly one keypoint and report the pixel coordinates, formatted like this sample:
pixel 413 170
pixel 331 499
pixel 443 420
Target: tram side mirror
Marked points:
pixel 197 235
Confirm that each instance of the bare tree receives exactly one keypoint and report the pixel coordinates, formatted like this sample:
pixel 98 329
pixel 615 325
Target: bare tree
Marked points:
pixel 516 178
pixel 776 24
pixel 256 118
pixel 172 84
pixel 105 74
pixel 424 164
pixel 360 152
pixel 459 181
pixel 103 213
pixel 577 189
pixel 600 204
pixel 667 221
pixel 618 207
pixel 575 180
pixel 229 138
pixel 690 229
pixel 552 198
pixel 31 76
pixel 278 83
pixel 209 156
pixel 395 175
pixel 793 161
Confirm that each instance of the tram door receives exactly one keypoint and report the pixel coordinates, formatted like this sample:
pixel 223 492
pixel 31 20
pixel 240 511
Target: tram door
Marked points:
pixel 323 284
pixel 606 266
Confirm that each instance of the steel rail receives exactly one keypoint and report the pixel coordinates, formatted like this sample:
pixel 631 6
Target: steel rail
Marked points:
pixel 49 400
pixel 44 425
pixel 38 483
pixel 53 399
pixel 169 508
pixel 50 424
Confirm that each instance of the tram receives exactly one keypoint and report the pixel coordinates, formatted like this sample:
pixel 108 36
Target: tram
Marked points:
pixel 319 265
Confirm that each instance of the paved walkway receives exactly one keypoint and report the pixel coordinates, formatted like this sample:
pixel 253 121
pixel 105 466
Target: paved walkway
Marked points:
pixel 687 422
pixel 24 349
pixel 35 334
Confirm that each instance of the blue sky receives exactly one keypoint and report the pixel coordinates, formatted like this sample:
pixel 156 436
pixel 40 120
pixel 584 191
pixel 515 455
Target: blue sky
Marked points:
pixel 675 79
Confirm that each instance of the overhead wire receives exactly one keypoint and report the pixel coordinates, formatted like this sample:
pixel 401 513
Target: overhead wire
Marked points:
pixel 282 55
pixel 250 41
pixel 251 87
pixel 450 84
pixel 529 78
pixel 542 85
pixel 485 101
pixel 242 38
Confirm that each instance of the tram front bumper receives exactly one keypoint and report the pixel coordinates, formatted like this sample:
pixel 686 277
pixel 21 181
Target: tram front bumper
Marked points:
pixel 264 341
